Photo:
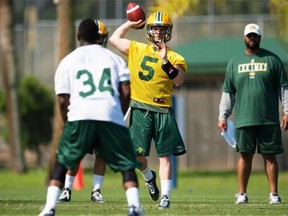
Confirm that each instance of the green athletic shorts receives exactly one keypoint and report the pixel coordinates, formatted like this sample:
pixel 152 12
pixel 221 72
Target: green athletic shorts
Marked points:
pixel 111 141
pixel 266 138
pixel 161 127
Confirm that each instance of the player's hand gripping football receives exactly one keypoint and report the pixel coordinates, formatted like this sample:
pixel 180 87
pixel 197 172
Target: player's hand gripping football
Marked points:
pixel 137 24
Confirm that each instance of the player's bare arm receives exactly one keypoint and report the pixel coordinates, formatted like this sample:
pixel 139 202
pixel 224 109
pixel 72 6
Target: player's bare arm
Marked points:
pixel 179 79
pixel 124 90
pixel 162 52
pixel 117 38
pixel 64 102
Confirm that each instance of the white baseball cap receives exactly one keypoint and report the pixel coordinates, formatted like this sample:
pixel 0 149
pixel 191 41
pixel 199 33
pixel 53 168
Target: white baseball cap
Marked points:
pixel 252 28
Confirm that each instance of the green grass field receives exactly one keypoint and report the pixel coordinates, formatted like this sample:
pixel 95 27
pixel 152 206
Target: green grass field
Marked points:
pixel 197 193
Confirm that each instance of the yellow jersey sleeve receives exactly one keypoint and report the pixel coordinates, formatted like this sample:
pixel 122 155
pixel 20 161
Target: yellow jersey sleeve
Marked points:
pixel 149 83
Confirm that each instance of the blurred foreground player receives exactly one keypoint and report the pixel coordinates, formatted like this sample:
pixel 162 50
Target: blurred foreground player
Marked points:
pixel 88 83
pixel 99 164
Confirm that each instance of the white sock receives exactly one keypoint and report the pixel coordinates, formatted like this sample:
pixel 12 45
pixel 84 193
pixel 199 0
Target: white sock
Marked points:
pixel 166 186
pixel 69 181
pixel 97 181
pixel 132 195
pixel 147 174
pixel 53 193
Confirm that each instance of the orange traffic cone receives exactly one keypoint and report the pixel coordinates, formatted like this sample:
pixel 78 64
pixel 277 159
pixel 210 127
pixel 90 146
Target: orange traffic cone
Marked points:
pixel 78 183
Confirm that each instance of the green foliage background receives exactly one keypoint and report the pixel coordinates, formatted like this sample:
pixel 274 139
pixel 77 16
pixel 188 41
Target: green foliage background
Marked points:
pixel 36 109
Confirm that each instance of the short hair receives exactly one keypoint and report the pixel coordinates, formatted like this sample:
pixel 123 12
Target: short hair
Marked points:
pixel 88 30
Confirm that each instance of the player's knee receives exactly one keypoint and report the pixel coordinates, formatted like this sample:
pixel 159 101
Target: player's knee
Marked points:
pixel 59 172
pixel 129 175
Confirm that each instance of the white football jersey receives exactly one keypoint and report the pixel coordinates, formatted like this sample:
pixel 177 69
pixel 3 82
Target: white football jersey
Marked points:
pixel 91 75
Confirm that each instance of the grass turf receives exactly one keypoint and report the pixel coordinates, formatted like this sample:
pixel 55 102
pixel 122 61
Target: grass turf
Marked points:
pixel 196 193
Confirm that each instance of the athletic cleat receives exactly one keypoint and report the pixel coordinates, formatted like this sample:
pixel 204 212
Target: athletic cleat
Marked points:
pixel 241 198
pixel 51 212
pixel 135 211
pixel 165 202
pixel 65 195
pixel 274 198
pixel 96 196
pixel 152 187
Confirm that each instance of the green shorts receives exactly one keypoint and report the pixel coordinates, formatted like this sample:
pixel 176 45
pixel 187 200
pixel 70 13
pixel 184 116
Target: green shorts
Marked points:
pixel 266 138
pixel 161 127
pixel 111 141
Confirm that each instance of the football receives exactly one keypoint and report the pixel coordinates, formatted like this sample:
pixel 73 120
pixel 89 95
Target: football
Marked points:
pixel 134 13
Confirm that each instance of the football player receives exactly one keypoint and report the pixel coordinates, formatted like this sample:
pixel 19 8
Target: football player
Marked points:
pixel 100 165
pixel 154 70
pixel 92 85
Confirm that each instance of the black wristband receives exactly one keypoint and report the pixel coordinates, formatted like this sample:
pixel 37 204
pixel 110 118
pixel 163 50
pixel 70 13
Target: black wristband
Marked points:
pixel 170 70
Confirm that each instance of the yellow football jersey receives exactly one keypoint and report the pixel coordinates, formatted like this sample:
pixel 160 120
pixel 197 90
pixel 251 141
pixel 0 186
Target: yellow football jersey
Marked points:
pixel 149 83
